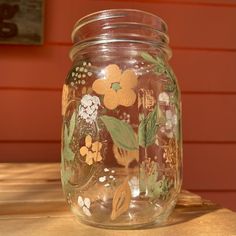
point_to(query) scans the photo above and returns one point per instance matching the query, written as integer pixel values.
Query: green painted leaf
(66, 174)
(142, 178)
(148, 128)
(121, 133)
(149, 183)
(162, 68)
(68, 134)
(147, 57)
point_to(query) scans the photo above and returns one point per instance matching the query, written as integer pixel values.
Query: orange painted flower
(91, 151)
(117, 87)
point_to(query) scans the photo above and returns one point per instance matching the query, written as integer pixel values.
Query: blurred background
(203, 39)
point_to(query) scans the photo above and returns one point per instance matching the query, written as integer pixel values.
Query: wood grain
(200, 162)
(28, 151)
(34, 67)
(204, 22)
(215, 3)
(223, 221)
(30, 115)
(201, 71)
(203, 37)
(32, 205)
(224, 198)
(40, 116)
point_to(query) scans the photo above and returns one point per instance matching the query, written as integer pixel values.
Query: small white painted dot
(90, 74)
(89, 64)
(81, 69)
(83, 82)
(111, 176)
(73, 74)
(106, 170)
(112, 171)
(102, 179)
(83, 75)
(79, 76)
(85, 70)
(106, 185)
(77, 68)
(84, 63)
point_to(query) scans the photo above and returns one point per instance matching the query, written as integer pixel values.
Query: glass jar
(121, 136)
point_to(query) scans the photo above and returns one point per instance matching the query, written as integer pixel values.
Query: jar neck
(117, 29)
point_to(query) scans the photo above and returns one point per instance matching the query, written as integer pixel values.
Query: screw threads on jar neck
(120, 27)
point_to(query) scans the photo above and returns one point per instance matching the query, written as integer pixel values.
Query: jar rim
(120, 25)
(109, 13)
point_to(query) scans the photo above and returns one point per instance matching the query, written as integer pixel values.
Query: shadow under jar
(121, 161)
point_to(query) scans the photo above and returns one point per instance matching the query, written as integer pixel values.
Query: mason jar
(121, 164)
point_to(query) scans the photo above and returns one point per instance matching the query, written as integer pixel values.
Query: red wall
(203, 38)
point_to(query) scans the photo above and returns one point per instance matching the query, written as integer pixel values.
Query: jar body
(121, 161)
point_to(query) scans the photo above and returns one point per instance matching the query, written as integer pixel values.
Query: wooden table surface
(32, 203)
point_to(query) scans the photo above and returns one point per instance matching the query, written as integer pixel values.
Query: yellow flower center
(116, 86)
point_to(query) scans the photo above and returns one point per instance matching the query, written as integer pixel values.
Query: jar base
(141, 214)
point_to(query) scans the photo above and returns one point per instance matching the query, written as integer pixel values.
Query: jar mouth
(121, 25)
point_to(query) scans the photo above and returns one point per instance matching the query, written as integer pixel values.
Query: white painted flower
(171, 119)
(134, 186)
(86, 211)
(171, 123)
(87, 202)
(85, 205)
(88, 108)
(80, 201)
(164, 98)
(96, 100)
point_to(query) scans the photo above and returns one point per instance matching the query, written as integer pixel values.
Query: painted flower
(171, 122)
(171, 119)
(91, 151)
(88, 108)
(164, 98)
(85, 205)
(117, 87)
